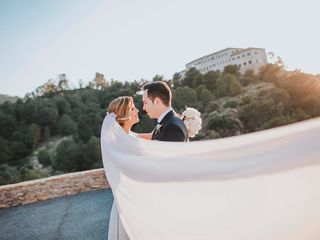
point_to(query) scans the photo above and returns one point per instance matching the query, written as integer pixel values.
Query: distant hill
(4, 98)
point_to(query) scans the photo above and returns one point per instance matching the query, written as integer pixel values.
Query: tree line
(56, 128)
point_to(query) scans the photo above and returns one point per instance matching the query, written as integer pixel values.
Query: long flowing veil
(257, 186)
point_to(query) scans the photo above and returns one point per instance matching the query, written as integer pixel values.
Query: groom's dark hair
(159, 89)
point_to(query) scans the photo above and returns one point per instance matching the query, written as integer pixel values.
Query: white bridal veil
(258, 186)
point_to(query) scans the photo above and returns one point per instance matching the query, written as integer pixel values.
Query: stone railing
(51, 187)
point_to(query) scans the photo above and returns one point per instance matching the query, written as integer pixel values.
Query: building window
(248, 54)
(238, 57)
(255, 53)
(244, 63)
(233, 59)
(243, 55)
(239, 65)
(250, 62)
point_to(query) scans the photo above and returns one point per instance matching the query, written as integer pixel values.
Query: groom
(157, 104)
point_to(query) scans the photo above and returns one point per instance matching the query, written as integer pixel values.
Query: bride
(126, 115)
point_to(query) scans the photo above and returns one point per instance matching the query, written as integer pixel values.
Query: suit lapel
(167, 117)
(156, 133)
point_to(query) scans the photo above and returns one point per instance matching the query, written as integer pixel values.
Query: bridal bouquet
(192, 120)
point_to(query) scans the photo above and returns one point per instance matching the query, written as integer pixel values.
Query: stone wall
(51, 187)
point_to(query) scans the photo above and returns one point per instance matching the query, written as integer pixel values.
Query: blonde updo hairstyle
(121, 107)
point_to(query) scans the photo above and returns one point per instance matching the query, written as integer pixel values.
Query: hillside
(57, 129)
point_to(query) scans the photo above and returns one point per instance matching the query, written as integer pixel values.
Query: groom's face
(148, 106)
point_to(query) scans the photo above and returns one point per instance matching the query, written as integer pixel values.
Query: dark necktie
(156, 130)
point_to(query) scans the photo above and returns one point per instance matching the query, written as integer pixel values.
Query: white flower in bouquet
(192, 120)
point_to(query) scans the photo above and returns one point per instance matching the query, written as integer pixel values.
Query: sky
(131, 40)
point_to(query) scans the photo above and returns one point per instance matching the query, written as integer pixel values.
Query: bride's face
(133, 113)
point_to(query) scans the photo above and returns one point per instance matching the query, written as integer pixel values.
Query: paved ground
(83, 216)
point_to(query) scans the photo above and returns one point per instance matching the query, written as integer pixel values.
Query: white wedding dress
(263, 185)
(116, 229)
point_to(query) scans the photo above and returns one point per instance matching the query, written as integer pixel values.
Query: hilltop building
(245, 58)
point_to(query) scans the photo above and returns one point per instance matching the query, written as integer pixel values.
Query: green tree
(29, 111)
(311, 105)
(228, 85)
(224, 124)
(184, 96)
(234, 87)
(32, 136)
(255, 114)
(18, 152)
(29, 136)
(93, 153)
(203, 94)
(7, 125)
(63, 106)
(66, 126)
(27, 174)
(68, 157)
(176, 80)
(146, 124)
(8, 174)
(279, 95)
(212, 106)
(232, 69)
(248, 78)
(158, 78)
(99, 82)
(271, 73)
(192, 78)
(46, 89)
(4, 151)
(94, 120)
(46, 133)
(76, 156)
(210, 79)
(84, 131)
(44, 158)
(46, 115)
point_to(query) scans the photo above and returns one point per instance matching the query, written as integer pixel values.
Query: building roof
(239, 50)
(220, 51)
(246, 50)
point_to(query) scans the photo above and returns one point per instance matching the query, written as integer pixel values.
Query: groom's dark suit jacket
(172, 129)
